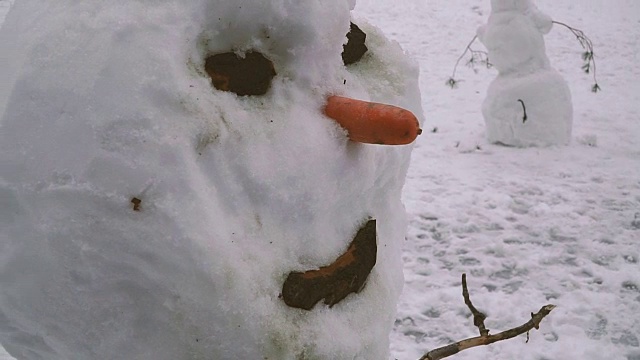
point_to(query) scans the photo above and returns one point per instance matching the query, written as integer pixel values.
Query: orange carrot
(373, 123)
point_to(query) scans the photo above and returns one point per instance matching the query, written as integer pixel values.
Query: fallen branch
(485, 338)
(478, 317)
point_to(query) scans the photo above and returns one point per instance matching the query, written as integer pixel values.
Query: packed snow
(529, 226)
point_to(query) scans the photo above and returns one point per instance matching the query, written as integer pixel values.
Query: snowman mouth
(334, 282)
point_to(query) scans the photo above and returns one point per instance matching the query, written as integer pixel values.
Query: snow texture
(107, 101)
(529, 102)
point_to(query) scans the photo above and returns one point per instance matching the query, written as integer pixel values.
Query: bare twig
(588, 56)
(485, 338)
(477, 56)
(478, 317)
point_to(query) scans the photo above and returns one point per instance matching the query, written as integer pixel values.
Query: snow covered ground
(4, 7)
(529, 226)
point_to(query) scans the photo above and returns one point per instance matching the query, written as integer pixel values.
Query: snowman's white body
(514, 39)
(108, 101)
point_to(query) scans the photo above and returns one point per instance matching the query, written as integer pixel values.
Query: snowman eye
(248, 75)
(355, 48)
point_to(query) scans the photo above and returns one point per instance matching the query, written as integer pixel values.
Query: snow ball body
(106, 102)
(526, 83)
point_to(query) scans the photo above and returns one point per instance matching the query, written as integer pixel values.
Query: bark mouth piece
(347, 274)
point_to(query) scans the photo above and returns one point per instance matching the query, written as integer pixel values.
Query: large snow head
(514, 36)
(170, 167)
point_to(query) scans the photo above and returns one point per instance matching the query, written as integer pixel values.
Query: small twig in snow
(136, 203)
(524, 108)
(485, 338)
(478, 317)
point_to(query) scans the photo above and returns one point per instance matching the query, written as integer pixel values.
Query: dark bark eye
(250, 75)
(355, 47)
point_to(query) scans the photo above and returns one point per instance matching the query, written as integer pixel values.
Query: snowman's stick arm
(485, 338)
(588, 56)
(476, 56)
(467, 49)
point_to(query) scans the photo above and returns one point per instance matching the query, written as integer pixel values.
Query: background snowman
(154, 204)
(528, 103)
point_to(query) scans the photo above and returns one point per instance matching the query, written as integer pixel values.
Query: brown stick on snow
(485, 338)
(478, 317)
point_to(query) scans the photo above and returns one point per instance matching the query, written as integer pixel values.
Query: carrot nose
(373, 123)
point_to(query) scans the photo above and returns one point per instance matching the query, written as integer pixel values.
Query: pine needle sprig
(588, 56)
(477, 57)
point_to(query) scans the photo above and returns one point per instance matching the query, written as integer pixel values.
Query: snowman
(176, 181)
(528, 103)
